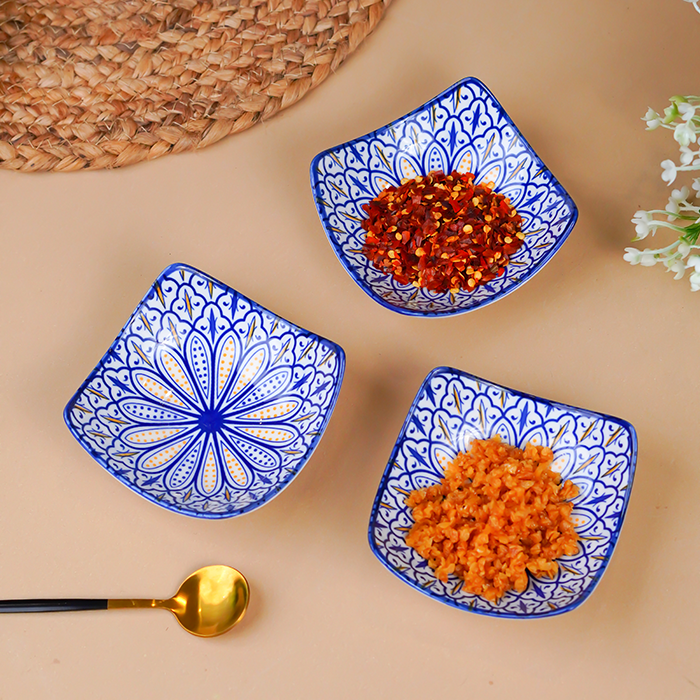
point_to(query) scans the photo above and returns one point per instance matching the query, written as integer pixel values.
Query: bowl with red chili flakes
(443, 210)
(592, 454)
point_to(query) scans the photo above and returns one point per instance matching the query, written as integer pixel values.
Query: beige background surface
(326, 620)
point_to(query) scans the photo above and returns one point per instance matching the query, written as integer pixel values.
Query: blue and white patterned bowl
(463, 129)
(206, 403)
(598, 453)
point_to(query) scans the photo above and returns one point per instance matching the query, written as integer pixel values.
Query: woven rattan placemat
(102, 84)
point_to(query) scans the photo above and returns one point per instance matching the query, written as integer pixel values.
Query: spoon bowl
(210, 601)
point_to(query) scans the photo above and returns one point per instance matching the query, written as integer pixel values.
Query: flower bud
(670, 114)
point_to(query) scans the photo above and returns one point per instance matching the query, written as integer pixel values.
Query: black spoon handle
(52, 605)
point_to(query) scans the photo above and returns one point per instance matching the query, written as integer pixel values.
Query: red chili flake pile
(441, 232)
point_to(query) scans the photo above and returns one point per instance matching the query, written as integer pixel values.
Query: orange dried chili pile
(441, 232)
(498, 513)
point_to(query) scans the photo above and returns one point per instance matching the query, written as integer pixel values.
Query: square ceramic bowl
(464, 129)
(598, 453)
(206, 403)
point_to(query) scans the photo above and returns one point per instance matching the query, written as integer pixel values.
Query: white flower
(647, 259)
(683, 115)
(644, 224)
(684, 134)
(675, 265)
(680, 195)
(669, 171)
(640, 257)
(679, 268)
(632, 256)
(653, 119)
(694, 3)
(686, 155)
(686, 110)
(677, 198)
(694, 261)
(694, 282)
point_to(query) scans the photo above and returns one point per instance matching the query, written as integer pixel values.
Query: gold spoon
(208, 603)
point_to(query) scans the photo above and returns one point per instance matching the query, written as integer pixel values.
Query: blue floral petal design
(181, 475)
(198, 357)
(267, 389)
(252, 365)
(227, 356)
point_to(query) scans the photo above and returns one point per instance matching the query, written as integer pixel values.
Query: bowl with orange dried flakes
(502, 503)
(443, 210)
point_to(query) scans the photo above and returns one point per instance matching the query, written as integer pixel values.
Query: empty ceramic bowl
(596, 452)
(463, 129)
(206, 403)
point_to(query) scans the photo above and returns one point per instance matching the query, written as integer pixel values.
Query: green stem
(665, 212)
(660, 251)
(666, 224)
(691, 234)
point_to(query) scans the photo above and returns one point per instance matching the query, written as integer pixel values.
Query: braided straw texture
(102, 84)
